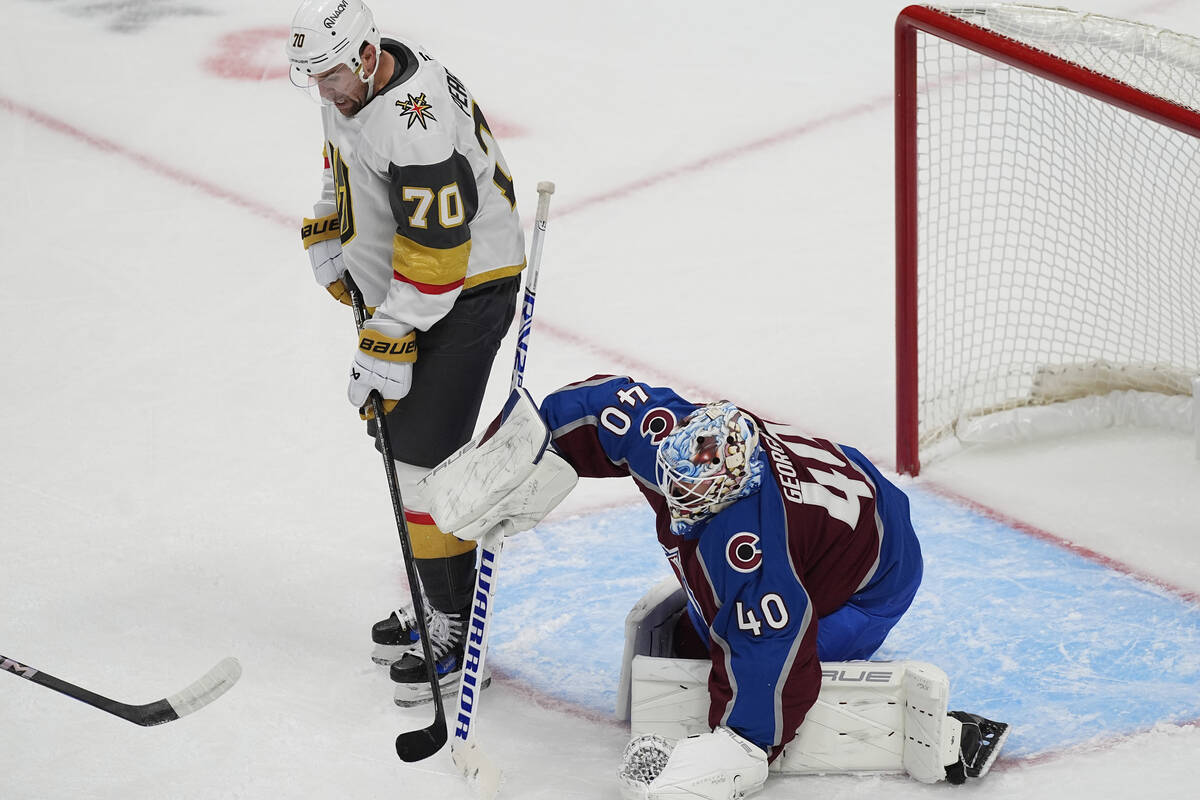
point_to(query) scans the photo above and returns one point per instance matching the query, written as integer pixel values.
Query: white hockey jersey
(424, 196)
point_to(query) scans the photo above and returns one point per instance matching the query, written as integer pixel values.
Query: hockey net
(1048, 220)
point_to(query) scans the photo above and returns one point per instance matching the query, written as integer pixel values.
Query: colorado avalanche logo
(657, 424)
(742, 552)
(417, 109)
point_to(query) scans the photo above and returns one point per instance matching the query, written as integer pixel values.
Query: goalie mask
(326, 35)
(710, 460)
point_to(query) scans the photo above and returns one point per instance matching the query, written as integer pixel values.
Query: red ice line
(568, 336)
(146, 162)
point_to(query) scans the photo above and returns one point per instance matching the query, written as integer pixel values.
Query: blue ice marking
(1063, 648)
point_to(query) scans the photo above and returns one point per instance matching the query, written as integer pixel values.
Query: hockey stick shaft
(212, 685)
(417, 744)
(471, 761)
(545, 190)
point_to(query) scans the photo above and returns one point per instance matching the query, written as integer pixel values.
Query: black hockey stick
(215, 683)
(421, 743)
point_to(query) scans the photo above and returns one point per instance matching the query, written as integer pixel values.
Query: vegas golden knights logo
(341, 184)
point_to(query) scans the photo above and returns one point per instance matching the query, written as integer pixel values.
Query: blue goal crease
(1064, 649)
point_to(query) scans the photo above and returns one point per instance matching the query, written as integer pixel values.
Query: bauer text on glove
(383, 362)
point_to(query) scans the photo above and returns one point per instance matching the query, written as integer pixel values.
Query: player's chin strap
(370, 79)
(371, 86)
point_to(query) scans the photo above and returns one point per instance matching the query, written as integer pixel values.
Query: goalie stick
(419, 744)
(216, 682)
(475, 765)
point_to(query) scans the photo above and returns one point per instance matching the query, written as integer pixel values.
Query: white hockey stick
(480, 770)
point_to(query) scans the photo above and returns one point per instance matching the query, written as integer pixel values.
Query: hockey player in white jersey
(418, 206)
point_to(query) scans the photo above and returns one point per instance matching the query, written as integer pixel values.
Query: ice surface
(181, 478)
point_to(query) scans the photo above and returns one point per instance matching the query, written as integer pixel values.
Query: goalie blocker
(508, 479)
(870, 716)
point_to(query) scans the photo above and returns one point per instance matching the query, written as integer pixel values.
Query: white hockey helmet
(710, 460)
(326, 33)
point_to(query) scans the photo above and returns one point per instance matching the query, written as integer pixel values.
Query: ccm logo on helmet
(332, 19)
(742, 552)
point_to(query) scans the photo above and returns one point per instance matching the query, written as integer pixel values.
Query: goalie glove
(384, 363)
(323, 243)
(507, 482)
(714, 766)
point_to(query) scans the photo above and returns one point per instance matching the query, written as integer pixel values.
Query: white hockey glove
(384, 362)
(322, 240)
(508, 482)
(715, 766)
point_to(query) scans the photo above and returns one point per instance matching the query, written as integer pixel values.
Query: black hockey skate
(448, 639)
(399, 634)
(979, 745)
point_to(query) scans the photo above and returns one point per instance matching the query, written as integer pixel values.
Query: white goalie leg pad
(649, 631)
(412, 488)
(720, 765)
(931, 737)
(509, 479)
(857, 723)
(870, 717)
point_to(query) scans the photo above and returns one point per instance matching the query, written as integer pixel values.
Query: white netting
(1058, 234)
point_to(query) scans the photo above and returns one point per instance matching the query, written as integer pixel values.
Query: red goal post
(1047, 213)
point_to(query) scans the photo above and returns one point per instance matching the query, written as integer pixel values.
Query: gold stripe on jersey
(428, 541)
(432, 270)
(493, 275)
(318, 230)
(387, 348)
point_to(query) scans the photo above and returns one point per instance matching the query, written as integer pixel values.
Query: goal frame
(935, 22)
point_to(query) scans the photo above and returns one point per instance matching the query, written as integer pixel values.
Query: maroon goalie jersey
(817, 564)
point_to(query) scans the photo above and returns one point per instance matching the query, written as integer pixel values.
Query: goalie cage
(858, 724)
(1047, 225)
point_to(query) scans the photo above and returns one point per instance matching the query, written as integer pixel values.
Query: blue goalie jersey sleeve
(820, 561)
(609, 426)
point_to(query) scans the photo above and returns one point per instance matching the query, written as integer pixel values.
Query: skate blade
(420, 694)
(387, 654)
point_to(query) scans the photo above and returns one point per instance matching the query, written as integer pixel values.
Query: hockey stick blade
(216, 682)
(477, 767)
(420, 744)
